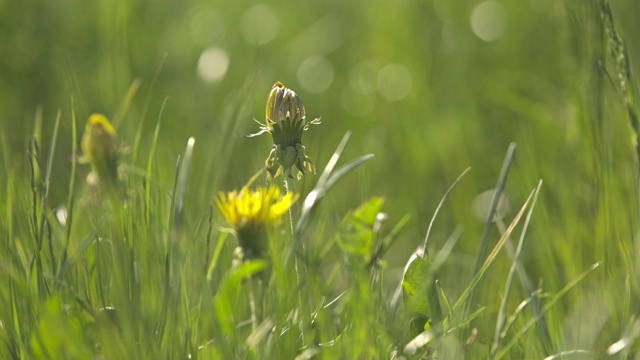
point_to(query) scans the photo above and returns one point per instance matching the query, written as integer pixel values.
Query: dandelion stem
(298, 278)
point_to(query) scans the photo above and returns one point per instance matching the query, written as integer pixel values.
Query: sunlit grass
(130, 256)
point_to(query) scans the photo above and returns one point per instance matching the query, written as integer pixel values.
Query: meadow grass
(360, 266)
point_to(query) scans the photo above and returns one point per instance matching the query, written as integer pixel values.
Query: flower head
(249, 212)
(286, 121)
(99, 148)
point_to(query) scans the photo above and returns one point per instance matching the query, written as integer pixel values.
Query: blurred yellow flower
(286, 121)
(249, 212)
(99, 148)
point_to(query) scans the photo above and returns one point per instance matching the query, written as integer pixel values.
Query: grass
(382, 255)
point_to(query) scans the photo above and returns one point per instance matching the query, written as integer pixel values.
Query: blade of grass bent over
(325, 182)
(435, 213)
(434, 300)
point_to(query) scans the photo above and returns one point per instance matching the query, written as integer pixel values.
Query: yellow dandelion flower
(250, 212)
(99, 148)
(286, 121)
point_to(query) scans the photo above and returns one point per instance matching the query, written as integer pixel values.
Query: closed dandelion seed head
(99, 148)
(251, 212)
(286, 122)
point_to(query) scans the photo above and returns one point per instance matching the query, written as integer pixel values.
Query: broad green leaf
(356, 234)
(415, 288)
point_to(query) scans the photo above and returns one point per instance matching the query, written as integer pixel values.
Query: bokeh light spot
(363, 77)
(259, 25)
(394, 82)
(315, 74)
(213, 64)
(206, 26)
(482, 205)
(355, 102)
(489, 20)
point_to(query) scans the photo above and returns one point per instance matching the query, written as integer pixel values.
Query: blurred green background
(430, 87)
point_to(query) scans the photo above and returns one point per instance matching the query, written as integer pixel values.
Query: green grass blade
(390, 238)
(183, 178)
(333, 161)
(492, 256)
(126, 102)
(42, 211)
(17, 321)
(507, 288)
(4, 148)
(623, 346)
(435, 213)
(547, 307)
(326, 181)
(519, 309)
(216, 255)
(70, 197)
(344, 170)
(574, 354)
(502, 181)
(152, 154)
(314, 197)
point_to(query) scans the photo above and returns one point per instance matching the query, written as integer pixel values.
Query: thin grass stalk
(70, 198)
(9, 243)
(435, 213)
(4, 149)
(126, 102)
(502, 180)
(318, 191)
(434, 300)
(465, 297)
(546, 308)
(43, 222)
(33, 154)
(624, 82)
(152, 153)
(528, 287)
(207, 252)
(216, 255)
(484, 242)
(514, 266)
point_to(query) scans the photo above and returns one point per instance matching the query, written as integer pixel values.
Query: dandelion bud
(286, 121)
(284, 104)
